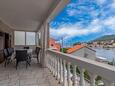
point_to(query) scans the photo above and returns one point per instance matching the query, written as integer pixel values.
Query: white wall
(91, 53)
(86, 53)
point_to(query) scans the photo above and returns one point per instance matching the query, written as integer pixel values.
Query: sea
(108, 53)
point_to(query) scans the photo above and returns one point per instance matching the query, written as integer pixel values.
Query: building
(53, 45)
(82, 51)
(24, 17)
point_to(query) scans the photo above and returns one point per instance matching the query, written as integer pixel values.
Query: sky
(84, 20)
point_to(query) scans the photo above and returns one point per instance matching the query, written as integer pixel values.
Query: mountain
(105, 38)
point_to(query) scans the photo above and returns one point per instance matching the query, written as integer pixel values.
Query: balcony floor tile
(32, 76)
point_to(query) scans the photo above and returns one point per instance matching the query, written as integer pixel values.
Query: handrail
(104, 70)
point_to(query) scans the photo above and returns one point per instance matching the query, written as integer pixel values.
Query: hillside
(106, 38)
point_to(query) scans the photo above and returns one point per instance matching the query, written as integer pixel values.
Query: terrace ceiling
(26, 15)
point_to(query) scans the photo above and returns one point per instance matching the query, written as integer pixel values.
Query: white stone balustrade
(60, 65)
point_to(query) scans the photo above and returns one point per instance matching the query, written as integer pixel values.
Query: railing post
(54, 71)
(60, 71)
(92, 77)
(50, 65)
(64, 75)
(68, 74)
(74, 76)
(82, 80)
(57, 69)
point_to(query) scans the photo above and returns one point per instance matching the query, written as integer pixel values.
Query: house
(53, 45)
(82, 51)
(25, 23)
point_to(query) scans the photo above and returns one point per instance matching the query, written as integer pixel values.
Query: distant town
(87, 49)
(107, 41)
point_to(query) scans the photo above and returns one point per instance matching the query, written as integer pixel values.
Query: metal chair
(26, 47)
(7, 57)
(21, 55)
(10, 51)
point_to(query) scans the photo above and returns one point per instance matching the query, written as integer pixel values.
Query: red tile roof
(74, 48)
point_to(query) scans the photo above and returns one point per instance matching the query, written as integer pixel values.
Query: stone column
(44, 43)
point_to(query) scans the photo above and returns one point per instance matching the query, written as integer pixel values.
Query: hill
(106, 38)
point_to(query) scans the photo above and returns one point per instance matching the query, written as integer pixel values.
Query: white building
(82, 51)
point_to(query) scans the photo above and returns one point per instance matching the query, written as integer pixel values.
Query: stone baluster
(50, 64)
(48, 61)
(64, 75)
(61, 75)
(74, 76)
(57, 69)
(82, 80)
(68, 74)
(92, 79)
(54, 66)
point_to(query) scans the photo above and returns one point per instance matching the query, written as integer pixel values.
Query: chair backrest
(5, 53)
(21, 55)
(27, 47)
(10, 51)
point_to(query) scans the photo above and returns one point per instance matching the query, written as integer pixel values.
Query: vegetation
(86, 74)
(106, 38)
(64, 50)
(112, 62)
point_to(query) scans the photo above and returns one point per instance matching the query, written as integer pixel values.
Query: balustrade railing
(64, 69)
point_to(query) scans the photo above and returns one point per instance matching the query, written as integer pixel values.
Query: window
(19, 38)
(30, 38)
(24, 38)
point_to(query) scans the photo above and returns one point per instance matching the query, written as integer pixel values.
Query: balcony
(54, 68)
(63, 67)
(60, 70)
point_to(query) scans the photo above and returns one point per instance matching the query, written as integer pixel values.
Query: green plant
(64, 50)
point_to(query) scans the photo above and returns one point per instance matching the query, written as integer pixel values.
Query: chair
(10, 51)
(7, 57)
(37, 52)
(26, 47)
(21, 55)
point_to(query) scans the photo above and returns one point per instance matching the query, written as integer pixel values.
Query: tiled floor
(32, 76)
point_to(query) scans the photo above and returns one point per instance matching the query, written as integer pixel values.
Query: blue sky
(84, 20)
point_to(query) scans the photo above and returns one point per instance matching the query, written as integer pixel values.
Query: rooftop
(74, 48)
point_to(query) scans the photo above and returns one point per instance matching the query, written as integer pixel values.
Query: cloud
(73, 30)
(101, 1)
(82, 20)
(71, 12)
(113, 4)
(110, 22)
